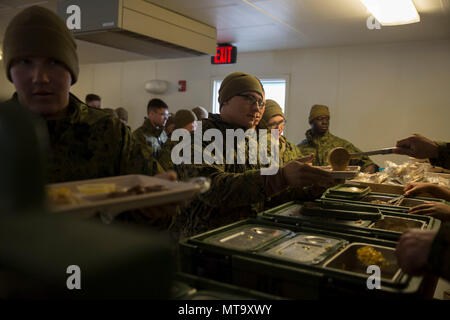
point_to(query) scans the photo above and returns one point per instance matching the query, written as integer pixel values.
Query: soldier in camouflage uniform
(424, 251)
(152, 128)
(319, 141)
(85, 142)
(237, 191)
(183, 119)
(273, 118)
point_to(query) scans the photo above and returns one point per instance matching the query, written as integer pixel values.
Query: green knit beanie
(318, 110)
(183, 117)
(39, 32)
(272, 109)
(200, 112)
(122, 114)
(238, 82)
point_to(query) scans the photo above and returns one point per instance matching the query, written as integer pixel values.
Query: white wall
(376, 93)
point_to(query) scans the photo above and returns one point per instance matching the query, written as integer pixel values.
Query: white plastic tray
(90, 205)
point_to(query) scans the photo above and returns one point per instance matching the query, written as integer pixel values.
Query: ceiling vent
(138, 26)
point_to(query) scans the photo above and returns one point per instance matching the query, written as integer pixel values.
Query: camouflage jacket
(321, 146)
(150, 135)
(90, 143)
(439, 257)
(165, 154)
(237, 190)
(443, 159)
(288, 151)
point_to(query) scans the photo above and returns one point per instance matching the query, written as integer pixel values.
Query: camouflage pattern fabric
(443, 159)
(288, 151)
(321, 146)
(439, 257)
(150, 135)
(164, 156)
(91, 143)
(237, 190)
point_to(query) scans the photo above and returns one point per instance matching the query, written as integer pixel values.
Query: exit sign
(225, 54)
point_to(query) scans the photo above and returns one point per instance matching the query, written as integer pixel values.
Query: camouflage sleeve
(227, 189)
(363, 161)
(165, 155)
(439, 258)
(137, 157)
(443, 159)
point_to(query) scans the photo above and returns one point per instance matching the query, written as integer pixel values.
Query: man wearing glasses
(238, 191)
(273, 118)
(152, 128)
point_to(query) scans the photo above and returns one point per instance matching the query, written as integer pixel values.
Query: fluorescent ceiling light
(392, 12)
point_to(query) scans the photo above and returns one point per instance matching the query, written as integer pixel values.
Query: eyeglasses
(252, 99)
(278, 124)
(165, 115)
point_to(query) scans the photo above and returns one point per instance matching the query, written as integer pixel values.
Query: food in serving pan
(138, 189)
(369, 256)
(61, 196)
(379, 202)
(350, 189)
(96, 188)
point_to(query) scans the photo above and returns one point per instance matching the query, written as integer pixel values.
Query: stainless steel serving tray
(249, 237)
(306, 248)
(347, 260)
(397, 224)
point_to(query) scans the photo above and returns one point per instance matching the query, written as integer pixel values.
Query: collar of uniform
(313, 140)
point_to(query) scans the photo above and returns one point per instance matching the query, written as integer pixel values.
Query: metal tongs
(395, 201)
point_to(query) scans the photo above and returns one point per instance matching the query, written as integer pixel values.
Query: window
(275, 89)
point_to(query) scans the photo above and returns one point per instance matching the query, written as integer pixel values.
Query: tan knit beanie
(238, 82)
(318, 110)
(183, 117)
(39, 32)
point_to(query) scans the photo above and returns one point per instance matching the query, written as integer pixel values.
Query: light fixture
(392, 12)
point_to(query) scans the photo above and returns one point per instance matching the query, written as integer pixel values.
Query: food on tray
(96, 188)
(379, 202)
(138, 189)
(350, 189)
(369, 256)
(61, 196)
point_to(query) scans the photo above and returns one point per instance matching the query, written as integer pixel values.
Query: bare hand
(413, 250)
(436, 210)
(168, 175)
(425, 189)
(417, 146)
(298, 173)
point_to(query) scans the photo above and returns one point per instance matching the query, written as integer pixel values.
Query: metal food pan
(347, 260)
(295, 212)
(249, 237)
(397, 224)
(407, 202)
(306, 248)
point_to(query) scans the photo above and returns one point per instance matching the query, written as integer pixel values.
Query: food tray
(296, 212)
(397, 224)
(340, 211)
(347, 191)
(91, 204)
(306, 248)
(350, 173)
(347, 260)
(250, 237)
